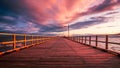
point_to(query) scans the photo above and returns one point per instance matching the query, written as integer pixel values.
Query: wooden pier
(60, 53)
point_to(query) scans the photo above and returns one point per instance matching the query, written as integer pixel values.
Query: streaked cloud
(111, 25)
(51, 15)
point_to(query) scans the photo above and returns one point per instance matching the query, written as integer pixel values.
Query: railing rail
(11, 42)
(106, 39)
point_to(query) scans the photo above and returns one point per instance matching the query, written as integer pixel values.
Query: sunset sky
(51, 17)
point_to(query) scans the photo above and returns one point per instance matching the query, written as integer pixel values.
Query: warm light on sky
(50, 17)
(111, 26)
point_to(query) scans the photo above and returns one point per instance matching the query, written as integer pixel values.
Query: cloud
(94, 19)
(51, 15)
(62, 11)
(86, 24)
(20, 28)
(8, 18)
(105, 6)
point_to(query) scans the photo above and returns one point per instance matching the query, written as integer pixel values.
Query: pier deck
(59, 53)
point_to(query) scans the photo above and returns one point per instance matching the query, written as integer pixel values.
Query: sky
(51, 17)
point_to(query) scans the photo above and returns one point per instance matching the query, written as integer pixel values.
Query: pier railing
(13, 42)
(110, 43)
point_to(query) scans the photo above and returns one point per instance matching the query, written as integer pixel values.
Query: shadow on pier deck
(60, 53)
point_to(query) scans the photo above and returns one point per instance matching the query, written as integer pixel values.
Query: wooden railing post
(82, 39)
(74, 38)
(89, 40)
(96, 41)
(24, 39)
(78, 39)
(41, 39)
(32, 39)
(106, 42)
(85, 39)
(37, 39)
(14, 41)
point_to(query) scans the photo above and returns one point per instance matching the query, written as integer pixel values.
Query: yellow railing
(12, 42)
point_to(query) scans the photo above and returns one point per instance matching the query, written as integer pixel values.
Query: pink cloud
(65, 11)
